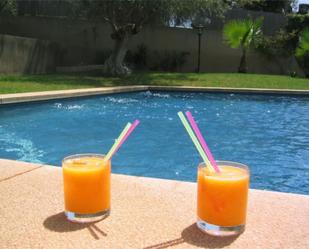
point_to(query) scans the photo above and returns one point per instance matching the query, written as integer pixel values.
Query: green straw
(118, 140)
(194, 139)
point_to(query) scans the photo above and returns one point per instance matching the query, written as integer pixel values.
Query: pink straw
(202, 142)
(135, 123)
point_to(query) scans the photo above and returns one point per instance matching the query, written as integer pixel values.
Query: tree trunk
(305, 65)
(114, 66)
(243, 62)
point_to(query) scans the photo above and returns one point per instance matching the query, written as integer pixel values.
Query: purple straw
(202, 141)
(135, 123)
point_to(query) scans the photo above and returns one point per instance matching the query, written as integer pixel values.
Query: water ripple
(268, 133)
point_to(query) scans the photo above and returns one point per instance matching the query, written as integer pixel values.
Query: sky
(302, 1)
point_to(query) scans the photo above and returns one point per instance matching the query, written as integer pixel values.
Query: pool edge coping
(171, 204)
(231, 90)
(29, 167)
(62, 94)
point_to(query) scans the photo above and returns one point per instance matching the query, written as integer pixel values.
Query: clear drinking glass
(222, 198)
(87, 191)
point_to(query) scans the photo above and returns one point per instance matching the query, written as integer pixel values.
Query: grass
(34, 83)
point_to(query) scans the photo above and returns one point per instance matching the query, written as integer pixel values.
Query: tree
(284, 43)
(242, 34)
(7, 7)
(278, 6)
(302, 51)
(278, 48)
(128, 17)
(303, 47)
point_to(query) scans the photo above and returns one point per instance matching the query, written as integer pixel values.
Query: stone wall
(26, 55)
(84, 43)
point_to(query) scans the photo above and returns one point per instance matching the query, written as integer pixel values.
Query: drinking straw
(118, 140)
(194, 139)
(132, 127)
(202, 141)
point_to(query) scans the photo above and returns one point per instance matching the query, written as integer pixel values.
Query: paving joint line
(21, 173)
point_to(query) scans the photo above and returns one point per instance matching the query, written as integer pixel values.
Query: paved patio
(146, 213)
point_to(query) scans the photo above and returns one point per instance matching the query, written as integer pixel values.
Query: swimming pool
(268, 133)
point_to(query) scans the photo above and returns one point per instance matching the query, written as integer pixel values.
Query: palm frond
(234, 31)
(242, 33)
(303, 47)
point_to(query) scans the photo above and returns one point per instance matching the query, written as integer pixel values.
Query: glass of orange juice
(86, 181)
(222, 198)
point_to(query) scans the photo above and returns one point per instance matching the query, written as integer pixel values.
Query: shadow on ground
(193, 236)
(59, 223)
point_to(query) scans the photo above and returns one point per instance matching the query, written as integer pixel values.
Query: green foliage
(102, 56)
(299, 25)
(133, 14)
(285, 41)
(278, 45)
(154, 10)
(168, 60)
(302, 51)
(297, 22)
(8, 7)
(278, 6)
(303, 47)
(127, 18)
(139, 57)
(198, 11)
(142, 58)
(242, 33)
(291, 40)
(32, 83)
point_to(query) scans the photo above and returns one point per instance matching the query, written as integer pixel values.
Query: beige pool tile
(48, 95)
(10, 168)
(146, 213)
(230, 90)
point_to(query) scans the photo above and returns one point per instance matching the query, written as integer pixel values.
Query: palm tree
(243, 34)
(302, 51)
(303, 46)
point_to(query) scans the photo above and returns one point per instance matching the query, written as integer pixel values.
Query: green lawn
(32, 83)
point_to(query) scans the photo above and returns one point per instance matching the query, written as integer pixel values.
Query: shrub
(280, 44)
(138, 58)
(143, 58)
(168, 60)
(285, 42)
(243, 34)
(102, 56)
(297, 22)
(302, 51)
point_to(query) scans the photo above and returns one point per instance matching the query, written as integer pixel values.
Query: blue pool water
(268, 133)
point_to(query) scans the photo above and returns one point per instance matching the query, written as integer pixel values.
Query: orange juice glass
(222, 198)
(87, 191)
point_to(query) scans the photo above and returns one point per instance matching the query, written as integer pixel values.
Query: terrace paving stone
(146, 213)
(10, 169)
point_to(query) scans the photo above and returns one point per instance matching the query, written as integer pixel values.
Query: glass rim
(227, 163)
(82, 155)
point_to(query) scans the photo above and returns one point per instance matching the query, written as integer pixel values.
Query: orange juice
(86, 181)
(222, 197)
